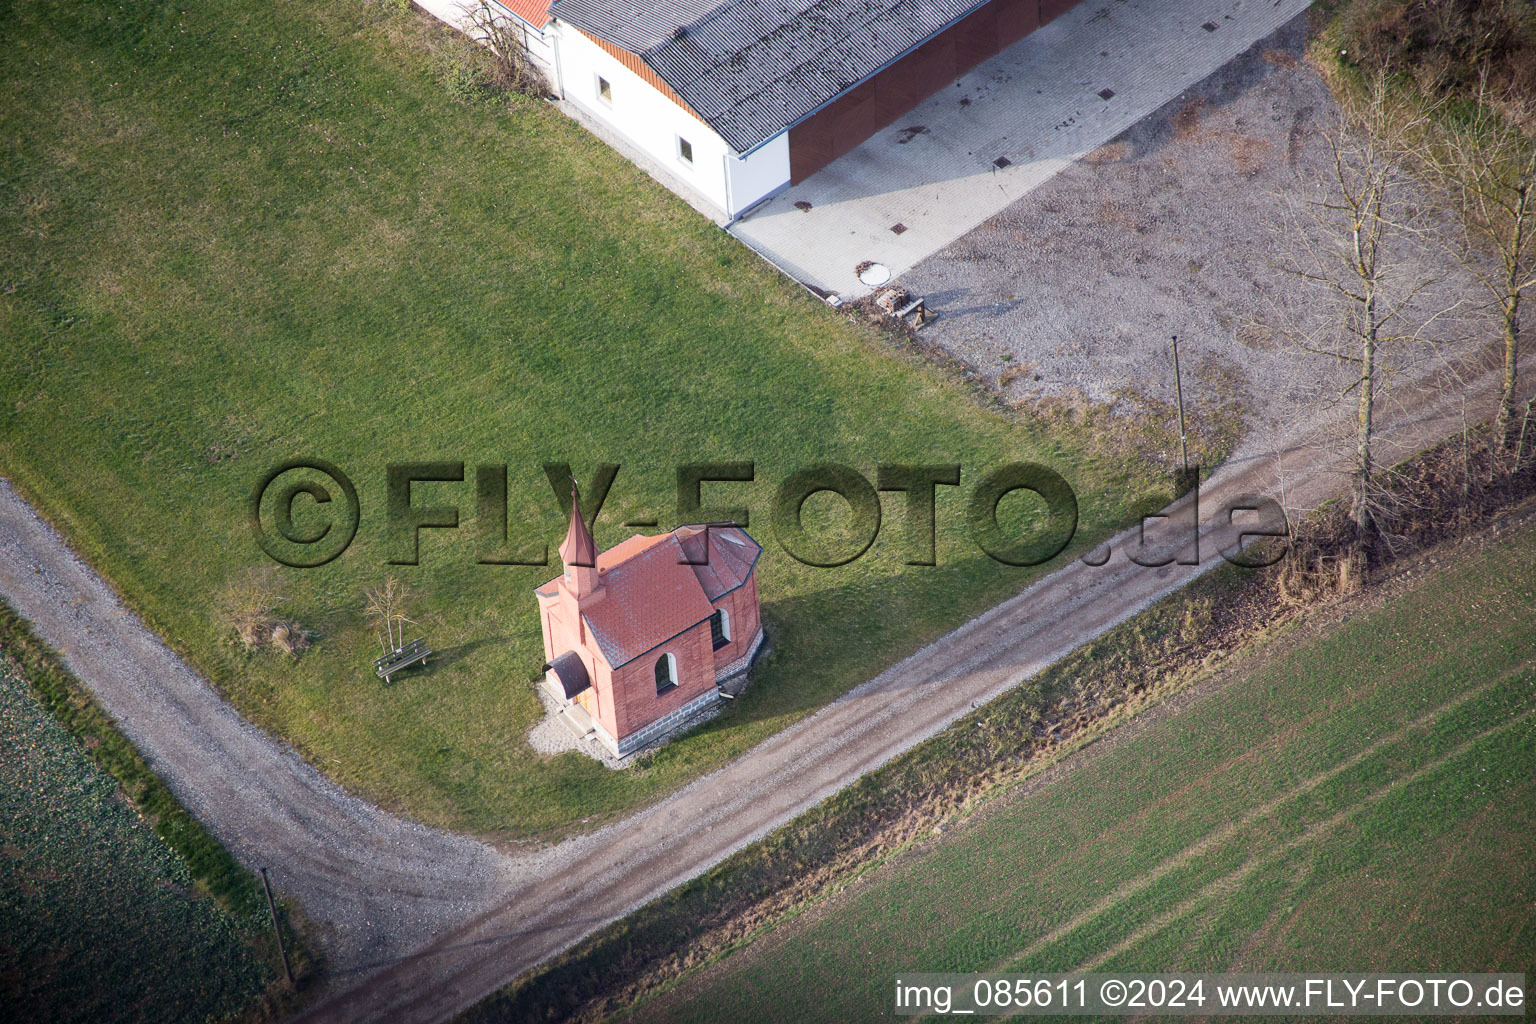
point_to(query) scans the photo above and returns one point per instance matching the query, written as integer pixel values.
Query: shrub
(1444, 45)
(463, 68)
(249, 603)
(249, 608)
(490, 61)
(290, 638)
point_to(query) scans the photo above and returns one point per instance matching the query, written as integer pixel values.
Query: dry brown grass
(290, 638)
(1281, 59)
(1186, 120)
(1109, 153)
(1249, 154)
(249, 606)
(250, 602)
(1015, 372)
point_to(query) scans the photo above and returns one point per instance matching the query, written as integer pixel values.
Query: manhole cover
(875, 274)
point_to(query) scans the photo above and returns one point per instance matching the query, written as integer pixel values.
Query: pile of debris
(902, 305)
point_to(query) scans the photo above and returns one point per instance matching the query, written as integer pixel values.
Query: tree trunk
(1514, 266)
(1505, 421)
(1365, 424)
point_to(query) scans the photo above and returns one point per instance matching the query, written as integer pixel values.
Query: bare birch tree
(386, 607)
(1484, 163)
(1340, 242)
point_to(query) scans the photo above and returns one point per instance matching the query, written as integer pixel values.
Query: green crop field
(98, 918)
(1363, 801)
(255, 230)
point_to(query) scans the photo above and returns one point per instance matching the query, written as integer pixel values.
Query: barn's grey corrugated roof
(752, 68)
(636, 25)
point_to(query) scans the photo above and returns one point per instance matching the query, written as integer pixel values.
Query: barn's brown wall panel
(858, 109)
(810, 144)
(976, 38)
(932, 65)
(846, 122)
(1015, 20)
(1055, 8)
(897, 95)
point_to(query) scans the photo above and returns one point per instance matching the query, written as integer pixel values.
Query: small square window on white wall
(605, 90)
(684, 150)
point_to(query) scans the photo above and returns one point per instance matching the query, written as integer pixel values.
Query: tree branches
(386, 607)
(511, 67)
(1341, 242)
(1482, 160)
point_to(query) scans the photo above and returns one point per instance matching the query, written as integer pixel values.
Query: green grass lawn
(1363, 802)
(252, 230)
(98, 918)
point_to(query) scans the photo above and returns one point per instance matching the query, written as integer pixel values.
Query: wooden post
(1178, 383)
(272, 909)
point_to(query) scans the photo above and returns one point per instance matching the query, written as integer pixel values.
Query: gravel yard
(1075, 290)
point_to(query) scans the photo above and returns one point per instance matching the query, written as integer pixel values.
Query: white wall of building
(641, 114)
(650, 121)
(759, 175)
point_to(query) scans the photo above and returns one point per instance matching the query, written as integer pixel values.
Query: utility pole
(1178, 383)
(272, 909)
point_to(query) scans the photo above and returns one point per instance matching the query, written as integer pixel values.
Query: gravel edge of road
(374, 885)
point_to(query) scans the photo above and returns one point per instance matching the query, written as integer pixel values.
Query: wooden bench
(413, 652)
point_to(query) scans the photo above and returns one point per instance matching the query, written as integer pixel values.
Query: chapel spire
(579, 551)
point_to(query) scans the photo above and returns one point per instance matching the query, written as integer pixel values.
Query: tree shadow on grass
(449, 656)
(825, 643)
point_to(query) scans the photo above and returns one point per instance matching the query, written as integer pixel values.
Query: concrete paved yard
(999, 132)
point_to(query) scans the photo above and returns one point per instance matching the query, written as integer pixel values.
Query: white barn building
(730, 101)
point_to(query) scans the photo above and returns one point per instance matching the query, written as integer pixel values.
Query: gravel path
(376, 886)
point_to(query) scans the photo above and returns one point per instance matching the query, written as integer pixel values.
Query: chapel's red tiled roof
(723, 556)
(627, 549)
(648, 597)
(650, 593)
